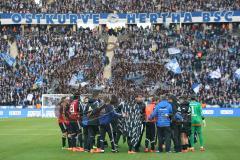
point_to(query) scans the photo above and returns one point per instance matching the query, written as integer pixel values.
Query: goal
(49, 103)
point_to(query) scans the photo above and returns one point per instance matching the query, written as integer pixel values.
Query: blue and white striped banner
(128, 18)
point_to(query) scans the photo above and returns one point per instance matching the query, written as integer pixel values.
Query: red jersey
(73, 111)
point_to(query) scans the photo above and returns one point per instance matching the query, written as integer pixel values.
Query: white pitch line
(32, 129)
(27, 134)
(224, 129)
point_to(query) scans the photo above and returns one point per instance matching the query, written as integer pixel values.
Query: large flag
(173, 66)
(173, 50)
(77, 79)
(232, 50)
(215, 74)
(9, 60)
(39, 81)
(237, 73)
(196, 87)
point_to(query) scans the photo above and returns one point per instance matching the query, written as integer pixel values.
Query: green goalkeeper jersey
(196, 113)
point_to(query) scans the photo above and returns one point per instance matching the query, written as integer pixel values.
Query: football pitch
(40, 139)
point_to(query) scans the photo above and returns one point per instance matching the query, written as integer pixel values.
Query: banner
(173, 66)
(9, 60)
(49, 112)
(121, 18)
(173, 50)
(71, 52)
(221, 112)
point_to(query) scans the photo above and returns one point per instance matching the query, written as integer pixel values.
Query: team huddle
(85, 121)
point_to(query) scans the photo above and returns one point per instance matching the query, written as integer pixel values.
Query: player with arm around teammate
(62, 121)
(72, 113)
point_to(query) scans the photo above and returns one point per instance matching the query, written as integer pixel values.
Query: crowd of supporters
(58, 53)
(140, 58)
(53, 54)
(123, 6)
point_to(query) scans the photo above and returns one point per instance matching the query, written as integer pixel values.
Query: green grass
(39, 139)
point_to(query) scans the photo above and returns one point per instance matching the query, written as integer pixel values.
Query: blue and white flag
(215, 74)
(173, 50)
(237, 73)
(173, 66)
(39, 81)
(232, 50)
(9, 60)
(196, 87)
(77, 79)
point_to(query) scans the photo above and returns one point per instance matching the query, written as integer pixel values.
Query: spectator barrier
(6, 112)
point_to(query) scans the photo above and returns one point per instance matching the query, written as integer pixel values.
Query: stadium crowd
(51, 56)
(145, 51)
(58, 53)
(107, 6)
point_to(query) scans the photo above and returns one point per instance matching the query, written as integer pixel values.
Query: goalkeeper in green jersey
(197, 122)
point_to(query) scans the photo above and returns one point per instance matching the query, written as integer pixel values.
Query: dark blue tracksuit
(90, 122)
(107, 114)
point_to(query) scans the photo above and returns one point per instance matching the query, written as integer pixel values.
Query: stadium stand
(108, 6)
(57, 56)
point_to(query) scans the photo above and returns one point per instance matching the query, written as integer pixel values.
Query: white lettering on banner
(34, 114)
(19, 107)
(1, 113)
(49, 114)
(126, 18)
(208, 111)
(15, 113)
(226, 112)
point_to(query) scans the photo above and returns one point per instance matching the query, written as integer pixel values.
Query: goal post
(49, 103)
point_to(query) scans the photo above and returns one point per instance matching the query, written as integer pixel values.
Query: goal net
(49, 103)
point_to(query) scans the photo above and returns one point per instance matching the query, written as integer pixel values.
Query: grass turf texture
(40, 139)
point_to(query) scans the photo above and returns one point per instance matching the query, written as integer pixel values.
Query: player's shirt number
(72, 108)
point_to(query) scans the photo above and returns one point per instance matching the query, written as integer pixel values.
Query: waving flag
(39, 81)
(215, 74)
(232, 50)
(9, 60)
(173, 66)
(77, 79)
(237, 73)
(196, 87)
(174, 51)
